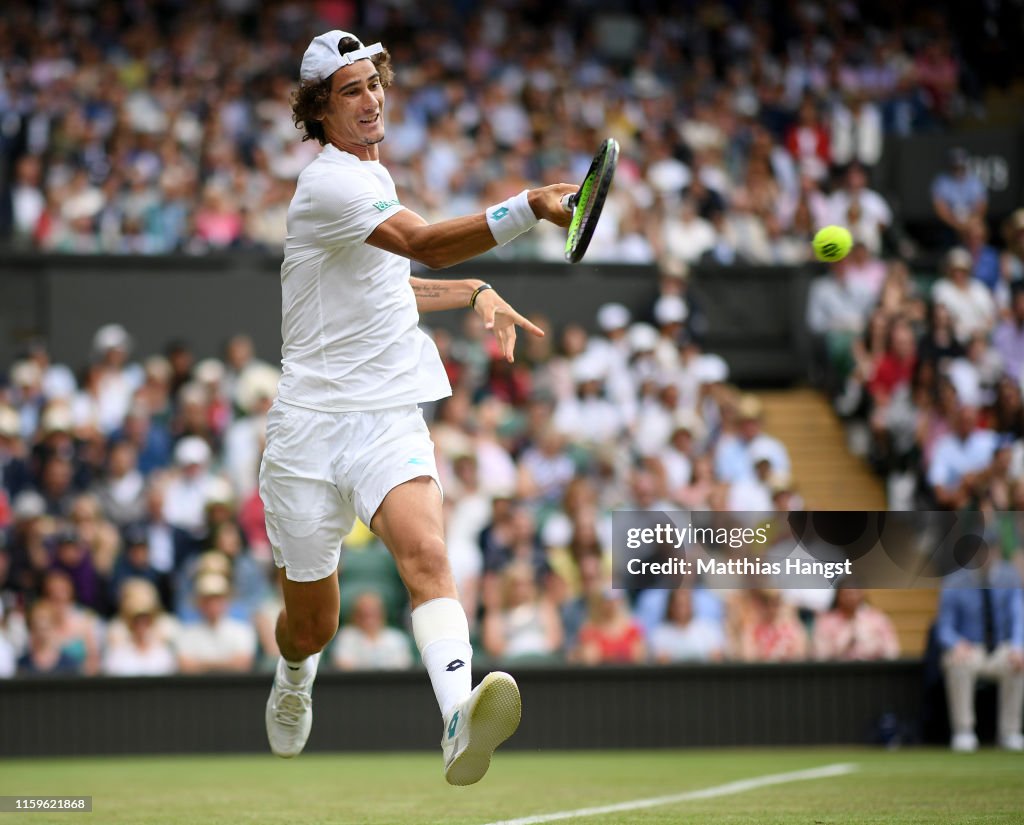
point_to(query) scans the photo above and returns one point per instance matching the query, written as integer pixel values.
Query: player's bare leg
(475, 722)
(305, 626)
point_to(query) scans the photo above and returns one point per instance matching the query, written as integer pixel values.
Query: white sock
(298, 673)
(442, 636)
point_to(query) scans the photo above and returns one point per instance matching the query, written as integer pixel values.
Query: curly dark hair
(309, 101)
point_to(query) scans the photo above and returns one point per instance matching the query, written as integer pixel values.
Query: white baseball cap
(642, 338)
(612, 316)
(322, 58)
(670, 309)
(191, 450)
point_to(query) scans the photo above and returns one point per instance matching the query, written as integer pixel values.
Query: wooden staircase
(829, 477)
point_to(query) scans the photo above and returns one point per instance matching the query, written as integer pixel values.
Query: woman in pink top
(766, 629)
(218, 221)
(853, 630)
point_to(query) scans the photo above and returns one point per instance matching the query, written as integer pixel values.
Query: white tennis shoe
(964, 743)
(477, 726)
(1012, 742)
(289, 714)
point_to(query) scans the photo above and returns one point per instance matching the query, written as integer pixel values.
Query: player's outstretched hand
(502, 320)
(546, 203)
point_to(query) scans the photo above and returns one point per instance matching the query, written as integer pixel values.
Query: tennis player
(346, 437)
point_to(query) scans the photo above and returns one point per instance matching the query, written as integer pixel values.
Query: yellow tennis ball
(832, 243)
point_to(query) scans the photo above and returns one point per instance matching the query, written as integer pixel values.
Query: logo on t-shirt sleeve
(385, 205)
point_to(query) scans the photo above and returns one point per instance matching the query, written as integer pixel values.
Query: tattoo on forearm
(430, 289)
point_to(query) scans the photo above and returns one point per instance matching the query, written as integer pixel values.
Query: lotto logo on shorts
(498, 214)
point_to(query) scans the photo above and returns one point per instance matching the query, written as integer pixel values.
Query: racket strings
(590, 201)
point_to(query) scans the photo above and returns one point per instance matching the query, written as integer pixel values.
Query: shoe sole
(492, 720)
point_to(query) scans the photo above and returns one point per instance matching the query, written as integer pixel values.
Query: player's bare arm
(434, 295)
(446, 243)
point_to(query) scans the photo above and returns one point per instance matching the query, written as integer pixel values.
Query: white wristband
(511, 219)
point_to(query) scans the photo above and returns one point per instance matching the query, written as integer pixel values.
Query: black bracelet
(476, 292)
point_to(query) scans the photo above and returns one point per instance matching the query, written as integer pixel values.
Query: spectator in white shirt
(217, 643)
(27, 200)
(185, 494)
(864, 271)
(863, 211)
(654, 422)
(367, 643)
(677, 458)
(684, 637)
(118, 380)
(589, 417)
(686, 235)
(140, 645)
(969, 301)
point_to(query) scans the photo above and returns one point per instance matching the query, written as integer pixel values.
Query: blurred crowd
(927, 367)
(133, 127)
(131, 528)
(132, 537)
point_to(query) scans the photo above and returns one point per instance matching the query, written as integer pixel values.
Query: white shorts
(321, 470)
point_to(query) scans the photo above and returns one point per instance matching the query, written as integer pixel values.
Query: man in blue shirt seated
(958, 194)
(980, 628)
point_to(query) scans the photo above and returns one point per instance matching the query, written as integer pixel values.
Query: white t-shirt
(349, 321)
(215, 643)
(129, 660)
(388, 651)
(694, 642)
(972, 307)
(8, 660)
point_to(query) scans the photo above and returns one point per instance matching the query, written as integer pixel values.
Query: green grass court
(908, 786)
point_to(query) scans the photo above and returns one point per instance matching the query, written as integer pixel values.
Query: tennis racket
(587, 203)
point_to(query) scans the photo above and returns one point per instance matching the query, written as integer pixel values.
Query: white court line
(728, 788)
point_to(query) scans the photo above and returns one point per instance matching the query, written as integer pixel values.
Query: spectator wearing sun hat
(736, 451)
(217, 642)
(142, 644)
(685, 442)
(968, 300)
